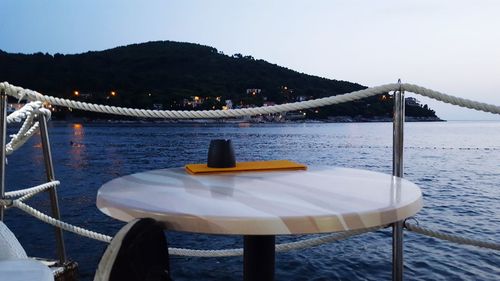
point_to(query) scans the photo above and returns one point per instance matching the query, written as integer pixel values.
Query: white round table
(260, 205)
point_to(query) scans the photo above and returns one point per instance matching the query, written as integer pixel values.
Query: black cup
(221, 154)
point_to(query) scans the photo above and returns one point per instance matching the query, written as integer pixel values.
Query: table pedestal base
(258, 257)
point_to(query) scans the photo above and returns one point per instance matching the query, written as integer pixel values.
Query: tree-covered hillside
(173, 75)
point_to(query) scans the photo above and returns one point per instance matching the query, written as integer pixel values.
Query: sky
(451, 46)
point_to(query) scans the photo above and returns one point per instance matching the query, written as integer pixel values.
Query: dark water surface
(457, 165)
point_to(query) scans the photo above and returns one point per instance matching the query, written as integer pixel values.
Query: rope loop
(413, 219)
(6, 202)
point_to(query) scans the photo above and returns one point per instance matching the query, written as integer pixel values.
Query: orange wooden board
(272, 165)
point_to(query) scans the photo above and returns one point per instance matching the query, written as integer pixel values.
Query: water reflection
(78, 129)
(77, 150)
(37, 155)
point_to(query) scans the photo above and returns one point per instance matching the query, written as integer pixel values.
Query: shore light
(76, 93)
(113, 93)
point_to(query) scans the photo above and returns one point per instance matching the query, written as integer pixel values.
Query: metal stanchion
(49, 169)
(397, 170)
(3, 141)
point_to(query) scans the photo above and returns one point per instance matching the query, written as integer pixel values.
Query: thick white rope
(452, 238)
(29, 127)
(451, 99)
(18, 139)
(21, 93)
(32, 190)
(328, 238)
(28, 196)
(14, 145)
(26, 131)
(284, 247)
(60, 224)
(306, 243)
(20, 114)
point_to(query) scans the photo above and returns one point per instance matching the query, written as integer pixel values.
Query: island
(166, 75)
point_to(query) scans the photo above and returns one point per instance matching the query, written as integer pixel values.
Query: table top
(321, 199)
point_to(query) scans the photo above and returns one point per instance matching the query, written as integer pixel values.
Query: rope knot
(6, 202)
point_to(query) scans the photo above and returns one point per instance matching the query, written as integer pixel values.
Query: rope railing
(452, 238)
(29, 108)
(305, 243)
(58, 223)
(29, 127)
(30, 95)
(283, 247)
(31, 190)
(479, 106)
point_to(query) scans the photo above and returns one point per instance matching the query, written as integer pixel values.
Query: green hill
(174, 75)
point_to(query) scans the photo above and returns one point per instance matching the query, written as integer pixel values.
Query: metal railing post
(397, 170)
(3, 141)
(49, 169)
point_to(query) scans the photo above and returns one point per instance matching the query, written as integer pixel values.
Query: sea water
(456, 164)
